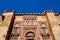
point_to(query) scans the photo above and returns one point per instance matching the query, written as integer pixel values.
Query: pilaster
(53, 25)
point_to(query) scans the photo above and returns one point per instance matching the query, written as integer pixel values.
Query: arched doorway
(29, 36)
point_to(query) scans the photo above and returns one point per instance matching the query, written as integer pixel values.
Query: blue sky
(29, 5)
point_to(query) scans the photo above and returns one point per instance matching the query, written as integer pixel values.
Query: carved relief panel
(29, 33)
(30, 20)
(15, 31)
(44, 31)
(29, 25)
(29, 29)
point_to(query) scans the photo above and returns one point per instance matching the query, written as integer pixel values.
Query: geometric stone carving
(17, 24)
(30, 21)
(43, 25)
(29, 29)
(44, 31)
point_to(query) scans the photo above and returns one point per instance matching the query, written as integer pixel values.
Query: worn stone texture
(29, 23)
(54, 25)
(5, 24)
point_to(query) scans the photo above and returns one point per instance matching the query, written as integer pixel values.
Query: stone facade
(30, 26)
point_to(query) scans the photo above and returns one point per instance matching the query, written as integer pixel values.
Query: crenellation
(29, 26)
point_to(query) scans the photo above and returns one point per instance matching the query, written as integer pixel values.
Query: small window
(59, 24)
(3, 17)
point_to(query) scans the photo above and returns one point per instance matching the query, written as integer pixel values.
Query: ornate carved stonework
(25, 29)
(17, 24)
(16, 31)
(44, 31)
(30, 26)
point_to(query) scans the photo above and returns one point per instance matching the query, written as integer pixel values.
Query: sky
(29, 5)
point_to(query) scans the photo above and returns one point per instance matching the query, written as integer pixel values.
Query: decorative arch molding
(43, 24)
(30, 35)
(30, 31)
(16, 23)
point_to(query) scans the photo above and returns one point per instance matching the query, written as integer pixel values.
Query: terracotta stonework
(29, 26)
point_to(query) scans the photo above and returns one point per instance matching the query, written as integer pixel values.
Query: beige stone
(29, 26)
(5, 25)
(54, 25)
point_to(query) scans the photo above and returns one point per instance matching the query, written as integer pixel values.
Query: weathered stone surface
(5, 24)
(33, 26)
(54, 25)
